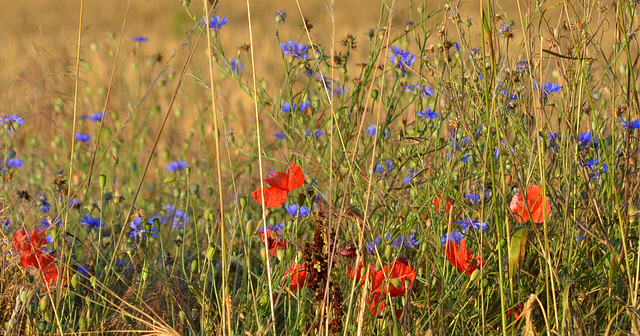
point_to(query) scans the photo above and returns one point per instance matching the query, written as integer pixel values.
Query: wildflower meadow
(323, 168)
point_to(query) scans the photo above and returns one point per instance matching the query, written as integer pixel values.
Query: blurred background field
(462, 124)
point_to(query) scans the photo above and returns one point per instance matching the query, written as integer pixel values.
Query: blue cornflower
(6, 223)
(215, 23)
(139, 38)
(43, 204)
(522, 65)
(49, 239)
(634, 125)
(81, 137)
(594, 171)
(587, 138)
(401, 58)
(296, 211)
(95, 116)
(281, 135)
(409, 177)
(138, 229)
(454, 236)
(407, 241)
(84, 271)
(297, 49)
(506, 30)
(553, 138)
(304, 105)
(580, 236)
(548, 88)
(287, 108)
(276, 227)
(75, 203)
(281, 16)
(317, 133)
(49, 222)
(457, 46)
(466, 223)
(11, 121)
(14, 163)
(380, 169)
(476, 198)
(427, 113)
(425, 91)
(92, 222)
(235, 65)
(178, 217)
(371, 246)
(371, 130)
(175, 166)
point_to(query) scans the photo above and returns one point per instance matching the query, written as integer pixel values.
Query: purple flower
(317, 133)
(296, 211)
(454, 236)
(371, 246)
(634, 125)
(139, 39)
(467, 223)
(235, 65)
(409, 177)
(506, 30)
(11, 121)
(427, 113)
(401, 58)
(95, 116)
(84, 271)
(281, 16)
(49, 222)
(296, 50)
(42, 202)
(178, 217)
(280, 135)
(138, 229)
(81, 137)
(276, 227)
(215, 23)
(371, 130)
(91, 222)
(14, 163)
(407, 241)
(175, 166)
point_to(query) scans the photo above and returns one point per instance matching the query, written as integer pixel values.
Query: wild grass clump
(436, 174)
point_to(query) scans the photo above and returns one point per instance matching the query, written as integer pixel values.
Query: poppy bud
(103, 181)
(387, 252)
(169, 180)
(176, 191)
(280, 254)
(249, 226)
(474, 275)
(210, 252)
(75, 279)
(194, 266)
(243, 201)
(42, 305)
(396, 283)
(374, 94)
(145, 273)
(83, 324)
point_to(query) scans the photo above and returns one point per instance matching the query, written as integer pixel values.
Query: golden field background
(39, 47)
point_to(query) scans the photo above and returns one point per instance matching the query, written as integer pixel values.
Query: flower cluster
(31, 248)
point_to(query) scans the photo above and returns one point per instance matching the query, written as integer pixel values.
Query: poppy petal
(274, 197)
(278, 180)
(296, 177)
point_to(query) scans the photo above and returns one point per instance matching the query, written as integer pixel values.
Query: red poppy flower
(30, 247)
(461, 258)
(298, 275)
(534, 208)
(281, 184)
(390, 279)
(274, 242)
(395, 278)
(438, 200)
(515, 311)
(358, 274)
